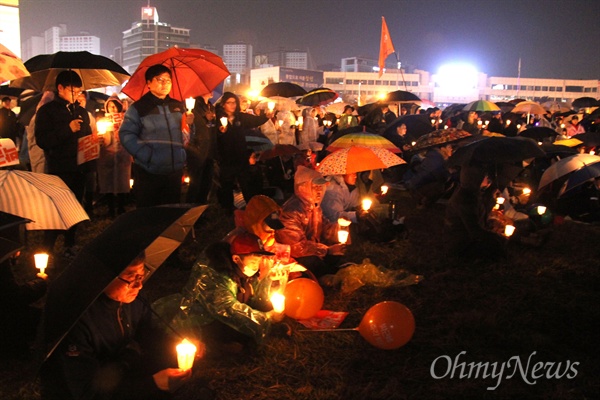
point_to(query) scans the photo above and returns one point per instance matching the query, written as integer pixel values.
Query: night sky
(555, 39)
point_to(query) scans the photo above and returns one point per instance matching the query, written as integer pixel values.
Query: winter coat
(104, 344)
(305, 229)
(151, 133)
(338, 200)
(54, 135)
(114, 163)
(211, 295)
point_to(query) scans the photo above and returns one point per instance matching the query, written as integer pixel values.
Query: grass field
(531, 320)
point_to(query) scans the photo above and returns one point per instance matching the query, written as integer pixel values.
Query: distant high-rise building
(56, 39)
(149, 36)
(10, 28)
(282, 58)
(238, 59)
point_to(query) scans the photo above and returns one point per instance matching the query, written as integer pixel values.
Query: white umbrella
(44, 199)
(566, 166)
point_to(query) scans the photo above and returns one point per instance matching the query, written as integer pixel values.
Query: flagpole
(401, 72)
(519, 77)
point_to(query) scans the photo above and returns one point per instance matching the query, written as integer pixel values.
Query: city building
(261, 77)
(239, 61)
(10, 26)
(56, 39)
(282, 58)
(149, 36)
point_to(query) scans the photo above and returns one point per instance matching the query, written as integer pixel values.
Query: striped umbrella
(358, 159)
(44, 199)
(481, 105)
(363, 139)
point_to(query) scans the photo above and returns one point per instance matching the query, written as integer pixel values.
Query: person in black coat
(59, 126)
(232, 148)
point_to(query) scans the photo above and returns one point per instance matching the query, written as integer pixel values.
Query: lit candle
(280, 122)
(518, 126)
(300, 121)
(496, 206)
(500, 200)
(433, 122)
(41, 262)
(592, 152)
(526, 191)
(349, 118)
(186, 351)
(366, 204)
(384, 189)
(479, 123)
(271, 105)
(190, 103)
(562, 126)
(413, 143)
(102, 126)
(487, 123)
(445, 126)
(278, 301)
(507, 122)
(509, 230)
(130, 183)
(186, 179)
(541, 210)
(343, 236)
(224, 121)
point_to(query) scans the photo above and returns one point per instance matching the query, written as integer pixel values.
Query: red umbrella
(195, 72)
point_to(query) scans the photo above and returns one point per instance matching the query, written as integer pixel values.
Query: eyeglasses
(230, 102)
(164, 81)
(137, 281)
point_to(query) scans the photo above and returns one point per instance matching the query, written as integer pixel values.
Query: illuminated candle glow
(41, 262)
(190, 103)
(384, 189)
(366, 204)
(271, 105)
(186, 351)
(500, 200)
(541, 210)
(509, 230)
(343, 236)
(224, 121)
(526, 191)
(278, 301)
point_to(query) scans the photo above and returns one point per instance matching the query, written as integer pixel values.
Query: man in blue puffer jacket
(152, 133)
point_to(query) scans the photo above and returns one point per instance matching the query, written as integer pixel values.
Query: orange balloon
(387, 325)
(303, 298)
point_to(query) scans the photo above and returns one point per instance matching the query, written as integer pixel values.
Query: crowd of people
(287, 224)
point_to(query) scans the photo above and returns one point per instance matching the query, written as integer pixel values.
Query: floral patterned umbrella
(439, 137)
(11, 67)
(358, 159)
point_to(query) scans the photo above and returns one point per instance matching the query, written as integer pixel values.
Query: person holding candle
(112, 352)
(312, 237)
(231, 148)
(201, 151)
(153, 133)
(222, 300)
(59, 125)
(114, 163)
(466, 234)
(347, 120)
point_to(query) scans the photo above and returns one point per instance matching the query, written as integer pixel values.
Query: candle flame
(186, 351)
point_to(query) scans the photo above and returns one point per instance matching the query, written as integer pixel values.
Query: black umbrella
(157, 230)
(589, 139)
(585, 102)
(557, 150)
(318, 97)
(538, 133)
(417, 125)
(6, 90)
(400, 96)
(95, 71)
(282, 89)
(505, 106)
(11, 234)
(496, 150)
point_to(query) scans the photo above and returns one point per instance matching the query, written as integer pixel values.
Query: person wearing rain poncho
(312, 237)
(222, 302)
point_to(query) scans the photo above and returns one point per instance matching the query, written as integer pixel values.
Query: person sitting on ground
(110, 352)
(312, 237)
(221, 301)
(432, 178)
(465, 225)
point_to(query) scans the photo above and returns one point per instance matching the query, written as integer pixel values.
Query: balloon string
(329, 330)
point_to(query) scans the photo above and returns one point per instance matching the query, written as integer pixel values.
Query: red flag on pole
(386, 47)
